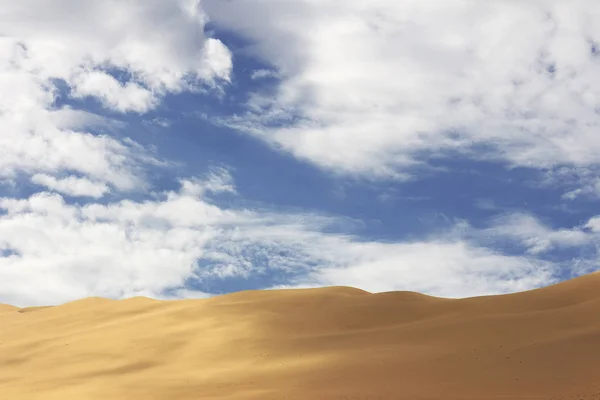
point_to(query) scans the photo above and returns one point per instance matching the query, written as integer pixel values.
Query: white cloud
(71, 185)
(125, 54)
(113, 94)
(369, 87)
(159, 44)
(263, 73)
(162, 122)
(442, 268)
(594, 224)
(64, 252)
(579, 182)
(55, 252)
(67, 118)
(31, 143)
(218, 180)
(537, 237)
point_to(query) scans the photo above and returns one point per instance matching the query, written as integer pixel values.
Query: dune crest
(324, 343)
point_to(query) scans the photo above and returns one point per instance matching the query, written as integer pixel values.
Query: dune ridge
(324, 343)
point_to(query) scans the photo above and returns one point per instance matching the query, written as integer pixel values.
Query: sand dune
(329, 343)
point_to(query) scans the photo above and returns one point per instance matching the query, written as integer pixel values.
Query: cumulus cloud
(72, 186)
(373, 88)
(61, 252)
(113, 94)
(53, 251)
(159, 45)
(124, 54)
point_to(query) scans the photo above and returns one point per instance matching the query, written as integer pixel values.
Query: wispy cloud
(537, 237)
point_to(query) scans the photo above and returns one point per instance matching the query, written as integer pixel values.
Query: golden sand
(329, 343)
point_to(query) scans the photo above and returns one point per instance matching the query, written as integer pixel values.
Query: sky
(185, 148)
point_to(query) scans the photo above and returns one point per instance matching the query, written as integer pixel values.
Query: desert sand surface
(328, 343)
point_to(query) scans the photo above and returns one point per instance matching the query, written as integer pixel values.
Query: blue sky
(182, 149)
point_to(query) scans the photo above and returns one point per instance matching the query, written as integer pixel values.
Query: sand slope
(330, 343)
